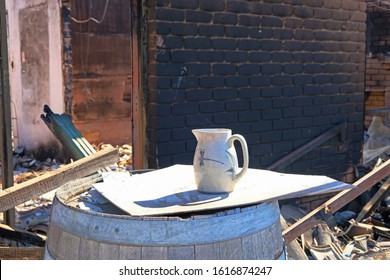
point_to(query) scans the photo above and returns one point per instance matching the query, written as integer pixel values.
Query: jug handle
(245, 153)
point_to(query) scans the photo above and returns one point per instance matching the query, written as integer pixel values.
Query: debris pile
(33, 215)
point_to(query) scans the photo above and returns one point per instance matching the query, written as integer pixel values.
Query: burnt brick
(184, 108)
(271, 114)
(184, 29)
(322, 57)
(249, 93)
(261, 8)
(282, 102)
(211, 30)
(339, 99)
(303, 12)
(293, 46)
(224, 69)
(283, 34)
(312, 46)
(292, 112)
(261, 33)
(258, 104)
(260, 149)
(170, 122)
(260, 81)
(303, 122)
(249, 116)
(249, 20)
(313, 68)
(173, 42)
(282, 10)
(181, 134)
(198, 94)
(261, 126)
(225, 118)
(197, 43)
(163, 83)
(198, 16)
(184, 56)
(159, 109)
(185, 82)
(163, 56)
(271, 136)
(225, 18)
(312, 111)
(236, 56)
(321, 100)
(237, 81)
(304, 35)
(303, 101)
(282, 124)
(211, 106)
(211, 56)
(215, 5)
(225, 93)
(249, 69)
(170, 148)
(236, 31)
(271, 92)
(294, 23)
(249, 44)
(224, 44)
(188, 4)
(292, 91)
(168, 96)
(281, 80)
(200, 120)
(212, 82)
(198, 69)
(322, 79)
(330, 89)
(340, 79)
(237, 105)
(312, 90)
(237, 6)
(329, 110)
(315, 24)
(260, 57)
(303, 57)
(167, 69)
(303, 79)
(270, 21)
(293, 68)
(281, 147)
(271, 45)
(282, 57)
(271, 69)
(163, 28)
(169, 14)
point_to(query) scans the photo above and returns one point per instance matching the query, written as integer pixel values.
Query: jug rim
(212, 130)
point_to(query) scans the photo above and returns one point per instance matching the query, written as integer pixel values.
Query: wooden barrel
(252, 232)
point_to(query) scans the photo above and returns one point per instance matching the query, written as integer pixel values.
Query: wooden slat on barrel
(70, 247)
(108, 251)
(89, 249)
(54, 244)
(231, 249)
(129, 252)
(181, 253)
(209, 251)
(154, 253)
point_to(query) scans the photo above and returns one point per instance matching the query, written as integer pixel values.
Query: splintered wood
(20, 193)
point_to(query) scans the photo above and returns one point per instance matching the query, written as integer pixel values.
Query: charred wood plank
(374, 201)
(338, 201)
(32, 188)
(21, 236)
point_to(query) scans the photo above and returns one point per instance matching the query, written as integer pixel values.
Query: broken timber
(319, 140)
(32, 188)
(337, 202)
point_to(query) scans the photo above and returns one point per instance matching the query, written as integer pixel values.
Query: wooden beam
(338, 201)
(21, 236)
(5, 115)
(319, 140)
(32, 188)
(374, 201)
(22, 253)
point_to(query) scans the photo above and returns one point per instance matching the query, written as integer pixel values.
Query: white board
(173, 190)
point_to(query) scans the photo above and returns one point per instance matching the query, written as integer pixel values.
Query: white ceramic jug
(215, 160)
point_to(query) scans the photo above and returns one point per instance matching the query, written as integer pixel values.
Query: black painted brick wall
(279, 72)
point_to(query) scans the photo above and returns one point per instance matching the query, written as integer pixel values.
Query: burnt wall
(377, 90)
(278, 72)
(101, 73)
